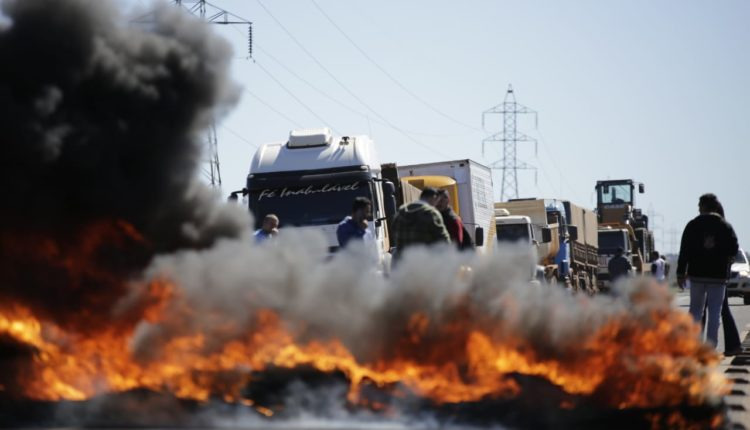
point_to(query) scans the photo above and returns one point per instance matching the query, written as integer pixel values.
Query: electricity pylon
(509, 165)
(215, 15)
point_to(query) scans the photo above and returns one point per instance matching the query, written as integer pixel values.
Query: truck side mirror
(234, 195)
(546, 235)
(389, 197)
(641, 188)
(573, 232)
(479, 236)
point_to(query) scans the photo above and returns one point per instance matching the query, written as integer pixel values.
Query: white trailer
(474, 193)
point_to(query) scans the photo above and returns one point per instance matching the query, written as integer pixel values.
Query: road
(740, 312)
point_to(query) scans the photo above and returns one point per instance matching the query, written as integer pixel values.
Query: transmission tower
(509, 165)
(215, 15)
(652, 215)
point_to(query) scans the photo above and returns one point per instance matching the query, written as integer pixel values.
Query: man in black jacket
(619, 266)
(708, 246)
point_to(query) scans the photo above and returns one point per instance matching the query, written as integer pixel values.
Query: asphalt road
(740, 312)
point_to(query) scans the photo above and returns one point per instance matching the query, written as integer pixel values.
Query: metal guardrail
(737, 369)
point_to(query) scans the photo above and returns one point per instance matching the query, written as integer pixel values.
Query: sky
(653, 91)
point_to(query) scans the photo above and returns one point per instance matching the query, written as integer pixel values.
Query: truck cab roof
(512, 219)
(315, 149)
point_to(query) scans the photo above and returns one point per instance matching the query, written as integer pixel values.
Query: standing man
(419, 222)
(708, 247)
(452, 222)
(354, 226)
(658, 267)
(268, 229)
(618, 266)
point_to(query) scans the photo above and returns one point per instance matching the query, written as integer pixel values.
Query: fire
(465, 356)
(623, 365)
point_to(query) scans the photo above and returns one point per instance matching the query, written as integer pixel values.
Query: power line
(389, 75)
(338, 101)
(269, 106)
(238, 136)
(548, 150)
(291, 94)
(341, 84)
(213, 14)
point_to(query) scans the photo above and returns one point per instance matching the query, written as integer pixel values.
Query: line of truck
(310, 180)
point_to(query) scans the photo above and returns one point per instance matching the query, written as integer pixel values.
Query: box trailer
(471, 196)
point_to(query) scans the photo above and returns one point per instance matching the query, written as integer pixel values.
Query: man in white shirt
(658, 267)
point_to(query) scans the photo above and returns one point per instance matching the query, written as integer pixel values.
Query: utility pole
(214, 15)
(673, 240)
(652, 215)
(509, 165)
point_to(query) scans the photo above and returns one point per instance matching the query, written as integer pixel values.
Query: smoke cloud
(456, 295)
(103, 120)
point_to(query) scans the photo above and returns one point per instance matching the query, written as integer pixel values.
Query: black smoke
(103, 118)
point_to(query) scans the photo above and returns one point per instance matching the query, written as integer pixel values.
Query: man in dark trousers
(618, 266)
(732, 342)
(707, 249)
(452, 222)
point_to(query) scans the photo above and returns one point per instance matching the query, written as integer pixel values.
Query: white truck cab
(310, 182)
(520, 228)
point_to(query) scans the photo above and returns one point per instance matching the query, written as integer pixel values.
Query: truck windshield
(303, 203)
(512, 232)
(609, 241)
(616, 194)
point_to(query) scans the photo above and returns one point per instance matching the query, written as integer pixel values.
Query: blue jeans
(710, 296)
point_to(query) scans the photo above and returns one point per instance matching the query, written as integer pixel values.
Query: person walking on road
(658, 267)
(732, 342)
(708, 246)
(619, 266)
(452, 222)
(419, 223)
(268, 229)
(354, 226)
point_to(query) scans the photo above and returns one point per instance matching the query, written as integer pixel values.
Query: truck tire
(586, 284)
(746, 299)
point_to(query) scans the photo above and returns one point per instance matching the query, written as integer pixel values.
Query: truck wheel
(585, 284)
(746, 299)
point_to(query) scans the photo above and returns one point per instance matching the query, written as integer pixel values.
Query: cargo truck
(621, 225)
(520, 229)
(582, 225)
(571, 256)
(310, 181)
(536, 211)
(469, 185)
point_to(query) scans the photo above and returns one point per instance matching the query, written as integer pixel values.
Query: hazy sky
(654, 91)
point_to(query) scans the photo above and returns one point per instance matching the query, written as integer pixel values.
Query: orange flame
(624, 365)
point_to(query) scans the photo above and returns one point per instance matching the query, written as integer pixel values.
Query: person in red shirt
(452, 222)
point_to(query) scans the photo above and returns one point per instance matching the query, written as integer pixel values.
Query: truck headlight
(744, 273)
